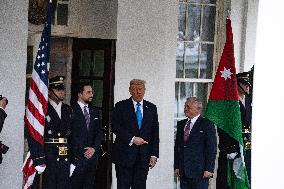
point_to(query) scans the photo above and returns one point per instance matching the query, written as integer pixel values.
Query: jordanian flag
(223, 108)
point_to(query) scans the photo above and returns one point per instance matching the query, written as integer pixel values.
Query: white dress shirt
(82, 106)
(57, 107)
(192, 122)
(135, 106)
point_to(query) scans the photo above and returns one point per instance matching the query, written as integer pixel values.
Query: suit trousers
(55, 176)
(134, 177)
(221, 181)
(194, 183)
(83, 176)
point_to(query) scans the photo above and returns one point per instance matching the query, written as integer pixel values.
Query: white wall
(244, 23)
(90, 19)
(146, 44)
(13, 59)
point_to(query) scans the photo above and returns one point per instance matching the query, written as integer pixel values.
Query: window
(60, 15)
(194, 53)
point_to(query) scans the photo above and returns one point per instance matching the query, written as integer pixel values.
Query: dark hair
(81, 86)
(1, 97)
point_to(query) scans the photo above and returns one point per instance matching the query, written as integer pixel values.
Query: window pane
(179, 59)
(201, 91)
(191, 60)
(98, 93)
(176, 99)
(85, 62)
(208, 23)
(98, 69)
(194, 1)
(193, 23)
(185, 90)
(209, 1)
(181, 21)
(206, 61)
(62, 14)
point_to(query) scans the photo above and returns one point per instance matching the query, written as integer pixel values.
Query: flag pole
(228, 14)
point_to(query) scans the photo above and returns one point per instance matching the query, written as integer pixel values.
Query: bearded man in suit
(195, 147)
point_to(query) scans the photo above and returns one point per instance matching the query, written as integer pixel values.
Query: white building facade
(143, 39)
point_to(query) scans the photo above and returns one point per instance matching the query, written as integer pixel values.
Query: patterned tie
(87, 117)
(139, 115)
(186, 131)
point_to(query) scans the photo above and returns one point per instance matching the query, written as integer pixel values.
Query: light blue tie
(139, 115)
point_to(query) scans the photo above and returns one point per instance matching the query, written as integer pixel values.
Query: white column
(146, 44)
(267, 117)
(13, 59)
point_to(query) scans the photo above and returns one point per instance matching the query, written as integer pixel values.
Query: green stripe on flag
(226, 115)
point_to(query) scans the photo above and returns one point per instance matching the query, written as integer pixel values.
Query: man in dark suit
(86, 139)
(195, 147)
(3, 115)
(244, 87)
(53, 158)
(136, 147)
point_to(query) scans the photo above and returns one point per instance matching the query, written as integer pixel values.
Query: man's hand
(89, 152)
(139, 141)
(40, 168)
(207, 174)
(232, 155)
(177, 172)
(153, 161)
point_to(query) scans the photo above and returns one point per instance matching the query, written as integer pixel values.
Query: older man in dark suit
(136, 146)
(86, 139)
(195, 147)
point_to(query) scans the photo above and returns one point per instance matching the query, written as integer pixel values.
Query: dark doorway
(93, 61)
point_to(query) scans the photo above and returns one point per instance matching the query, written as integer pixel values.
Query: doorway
(93, 62)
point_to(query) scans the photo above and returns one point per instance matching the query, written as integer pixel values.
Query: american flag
(37, 102)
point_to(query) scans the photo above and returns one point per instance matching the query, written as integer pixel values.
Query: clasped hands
(89, 152)
(140, 141)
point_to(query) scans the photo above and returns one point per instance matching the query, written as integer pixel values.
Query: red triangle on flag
(225, 82)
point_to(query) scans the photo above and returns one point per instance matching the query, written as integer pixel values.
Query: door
(93, 61)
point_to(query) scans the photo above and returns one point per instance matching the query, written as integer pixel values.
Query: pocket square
(201, 131)
(96, 118)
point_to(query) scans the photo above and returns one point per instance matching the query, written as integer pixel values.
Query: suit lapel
(146, 113)
(52, 113)
(91, 113)
(196, 126)
(81, 115)
(132, 113)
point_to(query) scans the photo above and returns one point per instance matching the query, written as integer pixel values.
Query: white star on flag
(226, 73)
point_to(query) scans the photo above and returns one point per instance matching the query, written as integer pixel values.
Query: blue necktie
(139, 115)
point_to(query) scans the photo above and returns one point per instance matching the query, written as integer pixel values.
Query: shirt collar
(82, 105)
(53, 103)
(134, 102)
(193, 120)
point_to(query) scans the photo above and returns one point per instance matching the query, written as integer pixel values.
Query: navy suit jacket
(3, 115)
(81, 136)
(125, 127)
(199, 152)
